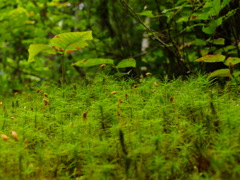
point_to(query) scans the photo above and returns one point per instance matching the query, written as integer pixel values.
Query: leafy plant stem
(178, 122)
(229, 87)
(63, 69)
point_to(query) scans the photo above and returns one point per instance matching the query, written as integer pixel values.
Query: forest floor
(107, 128)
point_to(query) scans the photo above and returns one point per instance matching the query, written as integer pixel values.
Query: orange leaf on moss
(69, 51)
(78, 47)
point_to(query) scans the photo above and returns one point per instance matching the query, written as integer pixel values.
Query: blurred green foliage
(164, 37)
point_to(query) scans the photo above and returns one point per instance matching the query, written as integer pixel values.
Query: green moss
(176, 130)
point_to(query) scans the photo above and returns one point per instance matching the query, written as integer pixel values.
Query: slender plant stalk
(63, 69)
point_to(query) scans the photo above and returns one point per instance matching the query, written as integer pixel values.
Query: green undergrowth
(107, 128)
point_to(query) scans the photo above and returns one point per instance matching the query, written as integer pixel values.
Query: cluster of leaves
(68, 42)
(62, 44)
(176, 33)
(226, 72)
(30, 22)
(191, 29)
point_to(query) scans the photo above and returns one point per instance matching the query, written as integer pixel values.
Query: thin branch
(153, 34)
(145, 52)
(136, 17)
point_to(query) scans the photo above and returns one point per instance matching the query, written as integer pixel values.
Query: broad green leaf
(233, 60)
(200, 42)
(207, 50)
(199, 16)
(35, 49)
(147, 13)
(229, 48)
(216, 7)
(236, 73)
(219, 21)
(71, 41)
(183, 19)
(210, 29)
(127, 63)
(211, 58)
(220, 73)
(92, 62)
(219, 41)
(224, 3)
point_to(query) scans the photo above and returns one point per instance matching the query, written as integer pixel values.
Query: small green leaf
(233, 60)
(236, 73)
(220, 73)
(214, 7)
(200, 42)
(35, 49)
(210, 29)
(127, 63)
(211, 58)
(199, 16)
(147, 13)
(224, 3)
(71, 41)
(219, 41)
(229, 48)
(183, 19)
(93, 62)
